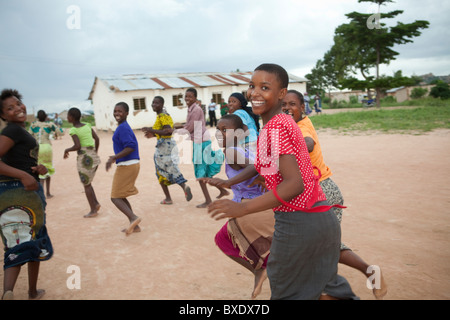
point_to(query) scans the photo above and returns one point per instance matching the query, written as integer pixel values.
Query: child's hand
(148, 133)
(66, 154)
(110, 162)
(221, 209)
(29, 182)
(39, 169)
(259, 181)
(216, 182)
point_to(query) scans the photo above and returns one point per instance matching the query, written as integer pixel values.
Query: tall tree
(365, 42)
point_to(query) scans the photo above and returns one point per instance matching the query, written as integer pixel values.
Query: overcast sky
(52, 57)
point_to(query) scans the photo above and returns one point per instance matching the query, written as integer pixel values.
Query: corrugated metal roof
(181, 80)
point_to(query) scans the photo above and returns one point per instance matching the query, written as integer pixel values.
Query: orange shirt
(316, 156)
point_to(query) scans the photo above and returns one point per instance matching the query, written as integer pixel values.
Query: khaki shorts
(124, 180)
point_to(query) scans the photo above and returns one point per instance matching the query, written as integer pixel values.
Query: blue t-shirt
(124, 137)
(250, 123)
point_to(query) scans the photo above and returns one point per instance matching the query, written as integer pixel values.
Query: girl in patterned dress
(85, 143)
(305, 247)
(166, 153)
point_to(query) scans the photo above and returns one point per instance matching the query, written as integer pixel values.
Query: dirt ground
(398, 218)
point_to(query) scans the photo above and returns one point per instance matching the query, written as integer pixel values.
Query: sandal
(188, 193)
(166, 202)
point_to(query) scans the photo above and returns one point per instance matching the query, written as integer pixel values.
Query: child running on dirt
(246, 239)
(86, 144)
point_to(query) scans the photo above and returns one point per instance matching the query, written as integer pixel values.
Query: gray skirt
(304, 257)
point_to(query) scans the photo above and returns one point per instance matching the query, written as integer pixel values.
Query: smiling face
(13, 110)
(291, 105)
(265, 94)
(157, 105)
(190, 98)
(120, 114)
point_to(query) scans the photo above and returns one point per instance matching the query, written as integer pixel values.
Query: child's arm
(126, 151)
(76, 146)
(96, 139)
(310, 144)
(291, 186)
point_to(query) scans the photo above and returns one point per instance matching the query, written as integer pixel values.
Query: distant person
(212, 113)
(308, 109)
(127, 160)
(58, 122)
(223, 107)
(166, 154)
(22, 200)
(317, 104)
(41, 129)
(86, 144)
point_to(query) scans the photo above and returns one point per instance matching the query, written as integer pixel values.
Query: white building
(139, 90)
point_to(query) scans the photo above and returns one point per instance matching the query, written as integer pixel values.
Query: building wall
(105, 99)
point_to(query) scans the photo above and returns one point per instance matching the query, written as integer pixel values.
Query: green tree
(365, 42)
(440, 90)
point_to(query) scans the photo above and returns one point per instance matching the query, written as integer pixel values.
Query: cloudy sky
(51, 50)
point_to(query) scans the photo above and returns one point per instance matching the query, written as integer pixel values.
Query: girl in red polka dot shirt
(305, 247)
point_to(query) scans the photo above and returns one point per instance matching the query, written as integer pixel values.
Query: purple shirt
(241, 190)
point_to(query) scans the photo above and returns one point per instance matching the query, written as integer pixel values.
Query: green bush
(418, 93)
(440, 90)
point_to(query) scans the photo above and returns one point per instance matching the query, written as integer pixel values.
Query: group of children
(285, 206)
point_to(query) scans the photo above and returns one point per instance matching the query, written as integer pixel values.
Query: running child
(304, 254)
(294, 105)
(204, 158)
(247, 239)
(126, 157)
(166, 153)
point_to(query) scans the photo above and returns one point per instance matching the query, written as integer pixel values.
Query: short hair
(124, 105)
(75, 113)
(193, 90)
(160, 98)
(41, 115)
(277, 70)
(299, 95)
(235, 119)
(8, 93)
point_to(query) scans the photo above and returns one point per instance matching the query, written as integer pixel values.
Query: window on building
(139, 104)
(177, 100)
(217, 97)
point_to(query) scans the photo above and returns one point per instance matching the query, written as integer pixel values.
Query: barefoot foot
(36, 295)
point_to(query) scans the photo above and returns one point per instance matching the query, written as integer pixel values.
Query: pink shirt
(195, 124)
(281, 135)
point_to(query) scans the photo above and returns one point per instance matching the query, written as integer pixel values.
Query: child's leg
(223, 192)
(48, 195)
(206, 194)
(92, 199)
(33, 273)
(351, 259)
(10, 278)
(125, 207)
(168, 199)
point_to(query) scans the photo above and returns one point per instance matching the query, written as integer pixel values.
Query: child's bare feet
(133, 224)
(91, 215)
(135, 230)
(223, 193)
(260, 276)
(36, 295)
(203, 205)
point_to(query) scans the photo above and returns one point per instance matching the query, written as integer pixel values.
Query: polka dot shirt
(281, 135)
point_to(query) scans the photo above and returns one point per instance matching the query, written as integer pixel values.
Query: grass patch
(408, 120)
